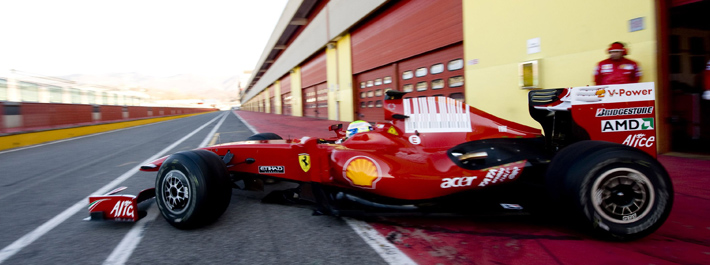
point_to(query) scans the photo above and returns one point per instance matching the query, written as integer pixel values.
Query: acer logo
(457, 182)
(122, 209)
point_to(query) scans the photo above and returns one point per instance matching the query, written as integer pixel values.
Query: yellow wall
(574, 36)
(296, 93)
(331, 62)
(277, 96)
(267, 101)
(345, 79)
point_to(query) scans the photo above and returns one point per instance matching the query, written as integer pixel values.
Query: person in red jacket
(617, 69)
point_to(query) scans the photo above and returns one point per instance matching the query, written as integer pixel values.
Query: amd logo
(624, 125)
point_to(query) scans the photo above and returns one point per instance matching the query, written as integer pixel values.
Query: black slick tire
(614, 191)
(192, 189)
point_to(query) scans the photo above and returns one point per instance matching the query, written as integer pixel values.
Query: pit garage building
(334, 59)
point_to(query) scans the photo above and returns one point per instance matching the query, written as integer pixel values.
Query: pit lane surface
(43, 194)
(38, 184)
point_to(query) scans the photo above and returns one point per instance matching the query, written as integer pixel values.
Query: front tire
(192, 189)
(617, 192)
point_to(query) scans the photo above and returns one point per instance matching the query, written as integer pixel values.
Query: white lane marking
(30, 237)
(130, 241)
(389, 252)
(245, 123)
(213, 131)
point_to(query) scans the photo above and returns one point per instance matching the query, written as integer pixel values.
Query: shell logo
(600, 92)
(362, 172)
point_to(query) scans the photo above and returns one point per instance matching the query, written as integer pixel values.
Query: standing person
(617, 69)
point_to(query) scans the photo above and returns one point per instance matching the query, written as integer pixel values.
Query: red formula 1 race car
(594, 161)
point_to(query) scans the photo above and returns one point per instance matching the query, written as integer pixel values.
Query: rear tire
(615, 191)
(192, 189)
(264, 136)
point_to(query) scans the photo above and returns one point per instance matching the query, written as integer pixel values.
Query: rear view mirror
(335, 127)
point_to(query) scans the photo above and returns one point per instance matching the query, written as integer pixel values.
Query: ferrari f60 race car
(594, 159)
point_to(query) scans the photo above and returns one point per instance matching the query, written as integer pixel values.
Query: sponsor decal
(613, 93)
(392, 131)
(602, 112)
(362, 172)
(624, 125)
(415, 139)
(501, 174)
(457, 182)
(502, 128)
(305, 161)
(272, 170)
(639, 140)
(620, 92)
(122, 209)
(600, 92)
(391, 106)
(436, 114)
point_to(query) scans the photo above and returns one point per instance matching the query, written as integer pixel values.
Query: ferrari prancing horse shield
(305, 160)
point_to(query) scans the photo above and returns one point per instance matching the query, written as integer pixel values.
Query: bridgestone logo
(624, 125)
(625, 111)
(272, 170)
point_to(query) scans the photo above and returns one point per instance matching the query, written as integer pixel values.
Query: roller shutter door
(404, 29)
(313, 80)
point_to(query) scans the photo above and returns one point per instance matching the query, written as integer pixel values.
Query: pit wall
(23, 124)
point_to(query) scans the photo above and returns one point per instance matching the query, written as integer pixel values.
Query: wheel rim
(176, 191)
(623, 195)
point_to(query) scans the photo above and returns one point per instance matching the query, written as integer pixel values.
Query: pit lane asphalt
(37, 184)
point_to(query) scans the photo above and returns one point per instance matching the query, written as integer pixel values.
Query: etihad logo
(602, 112)
(624, 125)
(272, 170)
(362, 172)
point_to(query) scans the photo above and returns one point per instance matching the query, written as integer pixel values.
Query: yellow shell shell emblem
(362, 172)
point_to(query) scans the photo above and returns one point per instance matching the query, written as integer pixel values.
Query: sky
(153, 37)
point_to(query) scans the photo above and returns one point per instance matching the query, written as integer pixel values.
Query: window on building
(55, 94)
(378, 104)
(3, 89)
(437, 84)
(420, 72)
(407, 75)
(378, 81)
(408, 88)
(457, 96)
(421, 86)
(455, 65)
(437, 68)
(456, 81)
(387, 80)
(29, 92)
(378, 93)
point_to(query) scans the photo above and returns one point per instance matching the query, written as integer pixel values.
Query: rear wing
(622, 114)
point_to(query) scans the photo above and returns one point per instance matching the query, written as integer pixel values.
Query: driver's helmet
(357, 127)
